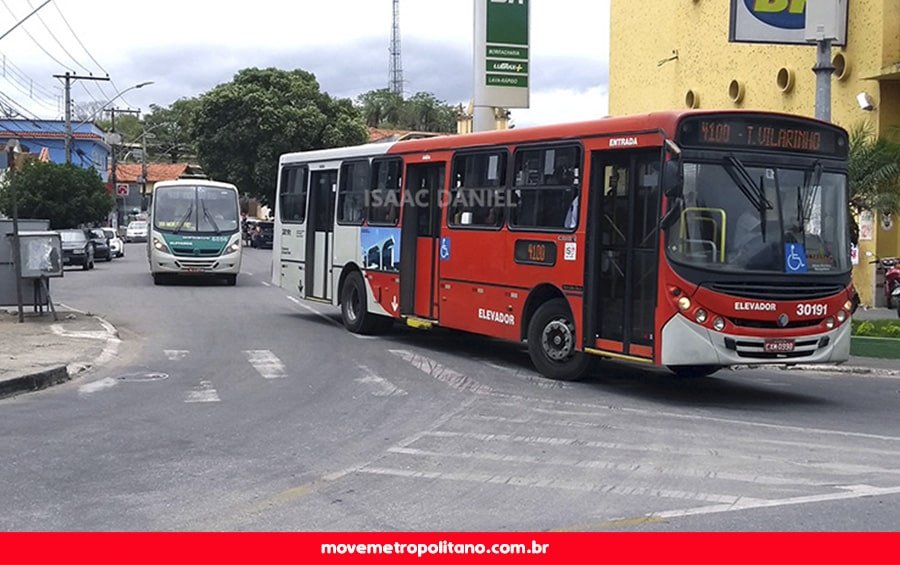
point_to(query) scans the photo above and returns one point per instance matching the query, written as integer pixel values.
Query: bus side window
(478, 190)
(384, 195)
(547, 185)
(293, 194)
(352, 193)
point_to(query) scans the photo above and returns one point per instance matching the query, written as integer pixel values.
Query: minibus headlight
(234, 247)
(160, 246)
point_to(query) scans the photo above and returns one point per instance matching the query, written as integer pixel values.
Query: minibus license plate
(779, 345)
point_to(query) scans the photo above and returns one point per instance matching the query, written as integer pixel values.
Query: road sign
(122, 189)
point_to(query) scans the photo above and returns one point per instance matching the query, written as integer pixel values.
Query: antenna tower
(396, 71)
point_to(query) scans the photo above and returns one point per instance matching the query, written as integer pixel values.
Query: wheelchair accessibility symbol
(794, 258)
(445, 249)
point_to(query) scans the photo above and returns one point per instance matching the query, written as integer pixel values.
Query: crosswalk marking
(97, 386)
(442, 373)
(204, 392)
(175, 354)
(382, 386)
(266, 363)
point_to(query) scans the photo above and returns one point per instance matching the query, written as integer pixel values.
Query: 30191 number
(812, 310)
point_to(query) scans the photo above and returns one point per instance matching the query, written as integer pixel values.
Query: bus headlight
(700, 316)
(848, 306)
(684, 303)
(234, 247)
(841, 317)
(160, 246)
(719, 324)
(829, 323)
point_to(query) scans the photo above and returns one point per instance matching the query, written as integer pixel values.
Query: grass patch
(877, 328)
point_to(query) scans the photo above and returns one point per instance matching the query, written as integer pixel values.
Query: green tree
(172, 138)
(67, 195)
(242, 127)
(420, 112)
(873, 174)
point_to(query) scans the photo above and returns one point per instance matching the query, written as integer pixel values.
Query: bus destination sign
(763, 133)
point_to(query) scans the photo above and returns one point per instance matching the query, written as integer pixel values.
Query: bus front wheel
(551, 343)
(355, 310)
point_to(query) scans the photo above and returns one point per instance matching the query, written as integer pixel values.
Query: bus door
(420, 239)
(320, 234)
(621, 278)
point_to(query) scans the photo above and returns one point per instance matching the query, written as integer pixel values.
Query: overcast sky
(189, 46)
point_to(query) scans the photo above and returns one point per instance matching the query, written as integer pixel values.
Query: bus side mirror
(673, 179)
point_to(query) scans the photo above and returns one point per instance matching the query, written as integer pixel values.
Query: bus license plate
(779, 345)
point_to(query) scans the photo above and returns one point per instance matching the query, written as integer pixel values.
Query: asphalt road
(236, 408)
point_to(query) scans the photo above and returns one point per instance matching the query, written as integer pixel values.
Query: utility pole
(12, 147)
(823, 69)
(112, 147)
(69, 78)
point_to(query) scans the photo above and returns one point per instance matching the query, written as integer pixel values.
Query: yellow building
(668, 54)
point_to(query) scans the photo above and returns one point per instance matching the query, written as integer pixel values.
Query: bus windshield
(195, 209)
(746, 217)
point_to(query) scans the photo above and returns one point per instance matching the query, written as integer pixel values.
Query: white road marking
(264, 283)
(96, 386)
(176, 354)
(110, 335)
(204, 392)
(441, 373)
(326, 317)
(383, 386)
(249, 274)
(561, 484)
(852, 492)
(266, 363)
(631, 468)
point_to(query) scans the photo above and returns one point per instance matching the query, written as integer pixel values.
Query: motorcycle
(891, 288)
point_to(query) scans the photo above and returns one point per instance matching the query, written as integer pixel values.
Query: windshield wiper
(752, 191)
(184, 218)
(210, 218)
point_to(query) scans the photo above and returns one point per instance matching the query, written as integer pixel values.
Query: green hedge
(877, 328)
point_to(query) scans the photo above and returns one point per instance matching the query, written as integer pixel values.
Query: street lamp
(94, 115)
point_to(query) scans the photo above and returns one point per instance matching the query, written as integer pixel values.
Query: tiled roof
(381, 134)
(156, 172)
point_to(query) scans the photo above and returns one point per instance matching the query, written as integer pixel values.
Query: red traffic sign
(122, 189)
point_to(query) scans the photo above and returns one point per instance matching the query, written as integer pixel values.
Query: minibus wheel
(552, 344)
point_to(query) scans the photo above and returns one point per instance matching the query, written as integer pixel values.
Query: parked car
(136, 231)
(115, 242)
(262, 235)
(77, 248)
(102, 249)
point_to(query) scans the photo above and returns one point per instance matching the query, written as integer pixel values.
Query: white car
(116, 245)
(136, 231)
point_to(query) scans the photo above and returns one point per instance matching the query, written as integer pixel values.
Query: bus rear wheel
(551, 343)
(693, 371)
(355, 310)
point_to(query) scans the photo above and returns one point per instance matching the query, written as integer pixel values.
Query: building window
(478, 190)
(547, 185)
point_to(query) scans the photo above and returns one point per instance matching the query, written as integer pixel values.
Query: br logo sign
(784, 14)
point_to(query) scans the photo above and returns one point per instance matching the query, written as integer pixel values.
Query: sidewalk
(42, 352)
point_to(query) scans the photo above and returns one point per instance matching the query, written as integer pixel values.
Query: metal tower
(396, 72)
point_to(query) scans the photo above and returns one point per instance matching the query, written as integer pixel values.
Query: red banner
(463, 548)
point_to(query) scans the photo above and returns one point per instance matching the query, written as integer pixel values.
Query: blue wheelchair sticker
(794, 258)
(445, 249)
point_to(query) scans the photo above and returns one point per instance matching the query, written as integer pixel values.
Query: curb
(845, 369)
(35, 381)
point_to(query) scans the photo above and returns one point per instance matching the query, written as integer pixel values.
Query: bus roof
(337, 153)
(193, 182)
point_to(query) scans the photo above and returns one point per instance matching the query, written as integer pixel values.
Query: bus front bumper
(227, 264)
(687, 343)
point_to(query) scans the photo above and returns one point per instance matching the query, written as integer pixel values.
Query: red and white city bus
(692, 240)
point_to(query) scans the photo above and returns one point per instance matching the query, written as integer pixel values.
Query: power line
(12, 68)
(58, 42)
(36, 42)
